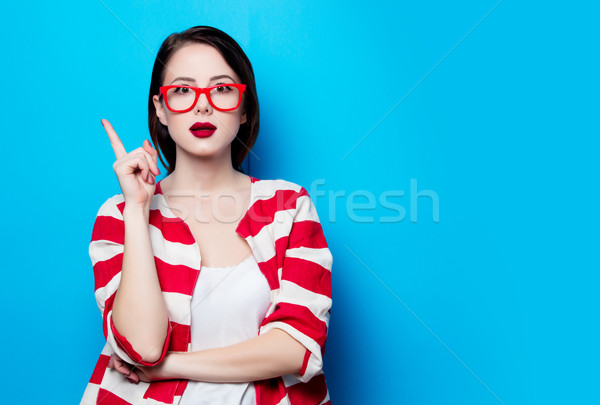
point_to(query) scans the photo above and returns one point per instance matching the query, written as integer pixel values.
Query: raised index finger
(115, 141)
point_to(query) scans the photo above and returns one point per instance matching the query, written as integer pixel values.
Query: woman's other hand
(124, 368)
(140, 373)
(136, 170)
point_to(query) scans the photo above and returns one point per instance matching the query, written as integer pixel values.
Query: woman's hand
(124, 368)
(140, 373)
(136, 170)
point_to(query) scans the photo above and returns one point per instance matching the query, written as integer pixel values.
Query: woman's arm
(272, 354)
(139, 313)
(265, 356)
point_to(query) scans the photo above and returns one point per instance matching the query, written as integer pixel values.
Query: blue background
(492, 107)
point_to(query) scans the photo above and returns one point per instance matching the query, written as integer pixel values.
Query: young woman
(214, 286)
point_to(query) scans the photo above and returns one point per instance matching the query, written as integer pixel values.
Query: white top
(228, 305)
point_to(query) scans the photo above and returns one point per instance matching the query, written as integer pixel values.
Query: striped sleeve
(302, 306)
(106, 254)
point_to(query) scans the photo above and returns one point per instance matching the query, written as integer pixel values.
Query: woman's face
(200, 65)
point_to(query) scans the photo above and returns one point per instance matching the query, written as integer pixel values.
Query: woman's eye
(182, 90)
(223, 89)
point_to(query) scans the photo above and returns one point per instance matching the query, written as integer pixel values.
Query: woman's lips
(202, 129)
(202, 133)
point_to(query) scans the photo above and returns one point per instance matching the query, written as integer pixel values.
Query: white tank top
(228, 305)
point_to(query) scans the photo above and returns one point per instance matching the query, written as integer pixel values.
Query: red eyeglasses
(223, 97)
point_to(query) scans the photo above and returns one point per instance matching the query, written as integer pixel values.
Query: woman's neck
(213, 175)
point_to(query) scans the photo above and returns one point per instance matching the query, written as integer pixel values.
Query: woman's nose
(203, 105)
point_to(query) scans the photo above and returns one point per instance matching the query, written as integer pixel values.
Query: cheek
(180, 121)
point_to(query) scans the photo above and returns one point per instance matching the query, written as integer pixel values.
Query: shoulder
(108, 225)
(112, 207)
(285, 195)
(273, 185)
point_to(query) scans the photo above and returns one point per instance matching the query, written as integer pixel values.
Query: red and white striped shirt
(283, 230)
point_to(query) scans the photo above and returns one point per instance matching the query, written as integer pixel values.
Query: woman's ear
(160, 110)
(244, 116)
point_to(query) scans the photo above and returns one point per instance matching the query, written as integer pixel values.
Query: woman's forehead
(199, 61)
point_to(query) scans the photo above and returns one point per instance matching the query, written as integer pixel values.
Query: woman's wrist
(136, 211)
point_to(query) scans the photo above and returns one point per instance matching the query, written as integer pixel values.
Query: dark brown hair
(239, 62)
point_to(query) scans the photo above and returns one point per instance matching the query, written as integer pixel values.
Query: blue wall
(451, 149)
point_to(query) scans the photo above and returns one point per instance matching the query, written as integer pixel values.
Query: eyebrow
(191, 79)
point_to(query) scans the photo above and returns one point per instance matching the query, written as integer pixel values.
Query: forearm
(139, 310)
(272, 354)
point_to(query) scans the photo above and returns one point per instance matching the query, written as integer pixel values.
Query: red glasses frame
(203, 90)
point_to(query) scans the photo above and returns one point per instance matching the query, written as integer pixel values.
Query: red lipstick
(202, 129)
